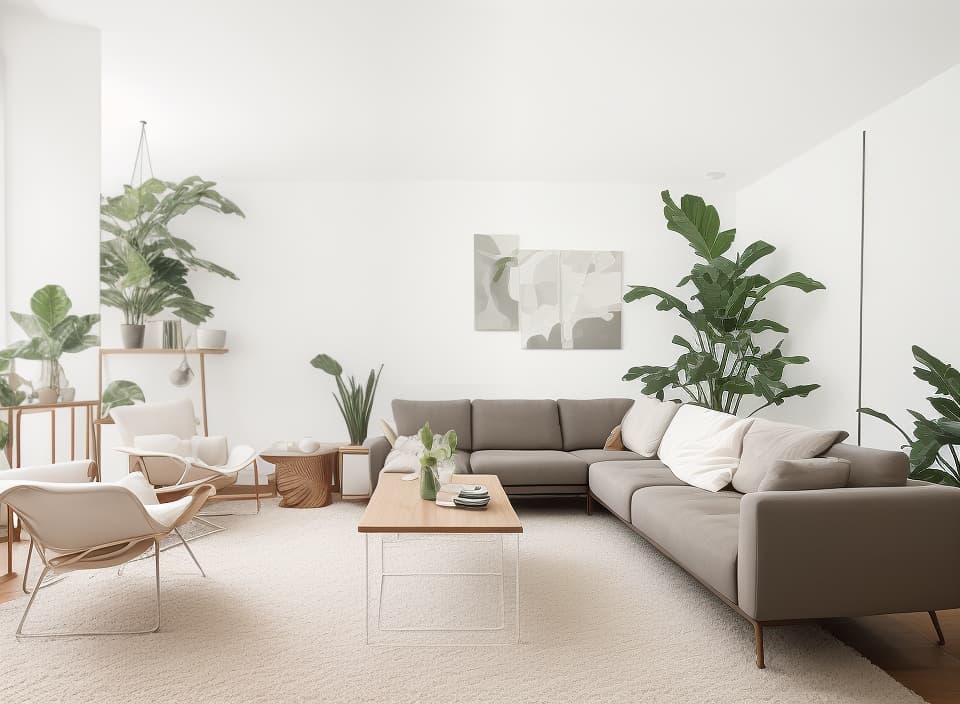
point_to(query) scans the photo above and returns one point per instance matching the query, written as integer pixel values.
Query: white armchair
(79, 525)
(161, 442)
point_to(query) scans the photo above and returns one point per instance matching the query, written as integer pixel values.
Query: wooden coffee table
(397, 516)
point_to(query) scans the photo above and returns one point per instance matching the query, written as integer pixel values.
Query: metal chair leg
(936, 624)
(26, 571)
(190, 552)
(20, 634)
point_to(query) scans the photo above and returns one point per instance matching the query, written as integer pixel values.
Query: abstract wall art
(570, 299)
(494, 282)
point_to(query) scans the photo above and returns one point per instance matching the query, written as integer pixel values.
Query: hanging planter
(143, 267)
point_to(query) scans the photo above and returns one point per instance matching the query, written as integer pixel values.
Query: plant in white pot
(143, 267)
(53, 332)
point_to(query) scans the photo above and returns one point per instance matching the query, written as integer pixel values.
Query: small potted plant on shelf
(53, 333)
(436, 462)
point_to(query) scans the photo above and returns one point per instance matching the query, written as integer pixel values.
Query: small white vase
(211, 339)
(308, 444)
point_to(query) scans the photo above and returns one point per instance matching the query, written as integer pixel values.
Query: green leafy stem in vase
(437, 449)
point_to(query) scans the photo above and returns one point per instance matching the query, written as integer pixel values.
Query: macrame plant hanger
(142, 158)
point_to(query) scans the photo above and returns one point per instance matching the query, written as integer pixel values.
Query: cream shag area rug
(605, 618)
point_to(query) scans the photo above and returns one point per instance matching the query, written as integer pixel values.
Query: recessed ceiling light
(715, 175)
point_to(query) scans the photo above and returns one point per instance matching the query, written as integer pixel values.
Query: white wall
(51, 181)
(912, 245)
(382, 272)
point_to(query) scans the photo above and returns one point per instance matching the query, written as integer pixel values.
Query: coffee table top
(396, 507)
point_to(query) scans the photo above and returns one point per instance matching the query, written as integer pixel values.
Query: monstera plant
(725, 358)
(933, 447)
(53, 332)
(143, 266)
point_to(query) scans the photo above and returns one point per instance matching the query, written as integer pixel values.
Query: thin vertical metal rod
(863, 211)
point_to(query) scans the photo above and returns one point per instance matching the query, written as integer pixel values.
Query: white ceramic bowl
(211, 339)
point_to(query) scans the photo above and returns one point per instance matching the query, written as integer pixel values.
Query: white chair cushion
(405, 455)
(210, 450)
(163, 442)
(168, 513)
(142, 489)
(173, 417)
(645, 423)
(702, 447)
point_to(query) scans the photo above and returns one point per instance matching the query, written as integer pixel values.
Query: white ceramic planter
(354, 473)
(211, 339)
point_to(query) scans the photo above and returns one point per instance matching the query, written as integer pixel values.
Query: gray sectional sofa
(883, 544)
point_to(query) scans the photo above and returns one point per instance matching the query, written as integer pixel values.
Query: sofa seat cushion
(516, 424)
(699, 529)
(614, 483)
(591, 456)
(530, 467)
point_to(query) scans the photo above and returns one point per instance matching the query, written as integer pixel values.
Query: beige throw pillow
(644, 425)
(767, 441)
(614, 440)
(389, 433)
(805, 475)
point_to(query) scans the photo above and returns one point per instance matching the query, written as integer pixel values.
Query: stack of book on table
(472, 496)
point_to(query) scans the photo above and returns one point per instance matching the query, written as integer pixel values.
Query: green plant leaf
(886, 419)
(943, 377)
(794, 280)
(50, 305)
(30, 324)
(945, 406)
(426, 436)
(762, 325)
(699, 223)
(754, 252)
(328, 364)
(120, 393)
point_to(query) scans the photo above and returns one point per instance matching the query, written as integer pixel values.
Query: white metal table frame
(502, 537)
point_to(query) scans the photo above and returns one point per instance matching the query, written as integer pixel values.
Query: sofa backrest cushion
(645, 425)
(516, 424)
(442, 416)
(769, 441)
(806, 475)
(586, 423)
(872, 467)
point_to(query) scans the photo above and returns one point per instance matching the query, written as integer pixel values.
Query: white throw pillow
(136, 483)
(702, 447)
(643, 427)
(405, 455)
(211, 450)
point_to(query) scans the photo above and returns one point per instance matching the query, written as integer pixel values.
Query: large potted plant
(143, 266)
(53, 332)
(933, 447)
(355, 400)
(724, 360)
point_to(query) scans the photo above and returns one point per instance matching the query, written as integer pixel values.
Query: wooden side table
(304, 479)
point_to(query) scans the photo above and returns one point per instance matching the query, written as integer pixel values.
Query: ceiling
(599, 90)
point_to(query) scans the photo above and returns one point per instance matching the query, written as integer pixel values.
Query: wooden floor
(904, 645)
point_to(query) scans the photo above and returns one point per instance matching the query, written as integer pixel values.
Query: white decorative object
(645, 423)
(308, 445)
(702, 447)
(208, 339)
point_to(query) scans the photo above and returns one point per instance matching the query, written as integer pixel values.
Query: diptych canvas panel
(494, 283)
(570, 299)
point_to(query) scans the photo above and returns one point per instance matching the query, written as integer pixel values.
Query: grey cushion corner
(516, 424)
(410, 415)
(871, 467)
(586, 423)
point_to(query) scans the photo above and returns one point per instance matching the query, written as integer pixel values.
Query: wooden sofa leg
(936, 624)
(758, 634)
(590, 506)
